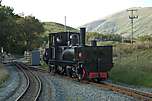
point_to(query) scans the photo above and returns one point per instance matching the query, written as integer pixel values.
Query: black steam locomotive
(67, 54)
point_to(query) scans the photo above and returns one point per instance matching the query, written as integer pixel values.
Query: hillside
(119, 23)
(52, 27)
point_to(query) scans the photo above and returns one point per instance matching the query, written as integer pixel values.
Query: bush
(125, 48)
(145, 38)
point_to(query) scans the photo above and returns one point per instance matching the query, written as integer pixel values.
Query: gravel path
(68, 90)
(13, 86)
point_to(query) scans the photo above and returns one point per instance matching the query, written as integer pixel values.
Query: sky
(77, 12)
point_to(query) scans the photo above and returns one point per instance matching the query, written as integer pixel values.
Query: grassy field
(132, 66)
(3, 74)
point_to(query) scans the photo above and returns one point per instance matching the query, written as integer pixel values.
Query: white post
(2, 50)
(65, 24)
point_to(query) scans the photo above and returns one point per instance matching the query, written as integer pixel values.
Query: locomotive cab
(74, 40)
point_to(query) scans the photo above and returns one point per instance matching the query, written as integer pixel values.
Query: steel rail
(28, 81)
(40, 87)
(29, 75)
(144, 96)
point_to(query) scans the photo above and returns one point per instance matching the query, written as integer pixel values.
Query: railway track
(33, 86)
(139, 95)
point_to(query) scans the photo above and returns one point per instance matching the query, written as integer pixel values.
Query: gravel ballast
(57, 88)
(69, 90)
(14, 86)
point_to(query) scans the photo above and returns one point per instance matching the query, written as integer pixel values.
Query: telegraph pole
(132, 17)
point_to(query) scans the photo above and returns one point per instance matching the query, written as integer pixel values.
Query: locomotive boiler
(69, 55)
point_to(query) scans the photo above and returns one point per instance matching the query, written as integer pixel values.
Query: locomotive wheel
(68, 72)
(98, 80)
(74, 73)
(61, 70)
(54, 69)
(81, 74)
(79, 77)
(50, 68)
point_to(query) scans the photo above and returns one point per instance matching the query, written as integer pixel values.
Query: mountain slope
(52, 27)
(94, 24)
(119, 23)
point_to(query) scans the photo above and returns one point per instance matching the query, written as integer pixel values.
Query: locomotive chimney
(82, 36)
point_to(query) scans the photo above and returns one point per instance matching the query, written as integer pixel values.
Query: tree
(19, 33)
(103, 37)
(92, 35)
(7, 26)
(31, 29)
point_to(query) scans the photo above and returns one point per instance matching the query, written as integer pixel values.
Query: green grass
(4, 75)
(133, 68)
(44, 65)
